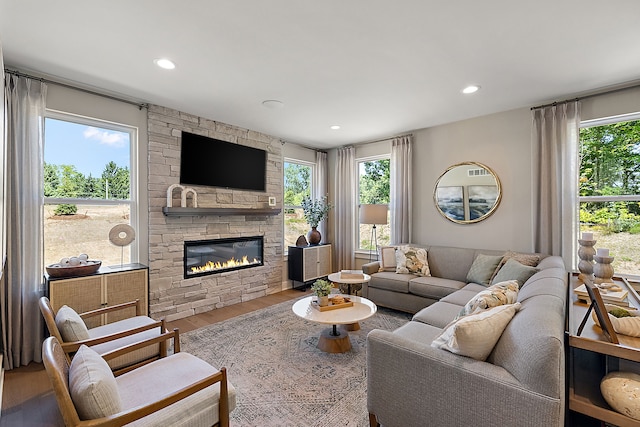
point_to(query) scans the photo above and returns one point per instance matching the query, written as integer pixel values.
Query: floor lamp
(373, 214)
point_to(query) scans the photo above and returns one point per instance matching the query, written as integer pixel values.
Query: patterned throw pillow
(483, 268)
(531, 260)
(410, 260)
(387, 258)
(495, 295)
(476, 335)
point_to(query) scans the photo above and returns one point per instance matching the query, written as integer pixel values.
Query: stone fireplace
(204, 257)
(221, 214)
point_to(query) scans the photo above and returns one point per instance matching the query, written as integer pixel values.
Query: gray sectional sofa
(521, 383)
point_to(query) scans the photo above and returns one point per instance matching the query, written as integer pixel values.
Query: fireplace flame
(214, 266)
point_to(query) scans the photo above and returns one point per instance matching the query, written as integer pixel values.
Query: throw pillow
(387, 258)
(410, 260)
(71, 325)
(513, 270)
(482, 269)
(476, 335)
(92, 386)
(495, 295)
(531, 260)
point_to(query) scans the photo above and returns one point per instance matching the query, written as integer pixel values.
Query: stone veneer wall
(170, 295)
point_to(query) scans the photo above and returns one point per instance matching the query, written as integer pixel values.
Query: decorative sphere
(621, 390)
(64, 262)
(83, 257)
(74, 261)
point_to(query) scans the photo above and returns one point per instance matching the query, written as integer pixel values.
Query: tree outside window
(373, 188)
(297, 184)
(609, 189)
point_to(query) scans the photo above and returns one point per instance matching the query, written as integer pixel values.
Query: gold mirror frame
(454, 194)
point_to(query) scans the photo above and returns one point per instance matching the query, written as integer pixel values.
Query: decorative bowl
(56, 270)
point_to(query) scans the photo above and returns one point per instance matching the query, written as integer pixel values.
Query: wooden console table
(591, 356)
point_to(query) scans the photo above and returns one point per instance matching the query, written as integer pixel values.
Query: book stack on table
(618, 298)
(351, 275)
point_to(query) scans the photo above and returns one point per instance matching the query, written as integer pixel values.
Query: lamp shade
(373, 214)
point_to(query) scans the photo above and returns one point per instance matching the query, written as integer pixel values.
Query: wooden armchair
(177, 389)
(69, 329)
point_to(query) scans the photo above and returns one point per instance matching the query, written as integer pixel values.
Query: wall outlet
(272, 201)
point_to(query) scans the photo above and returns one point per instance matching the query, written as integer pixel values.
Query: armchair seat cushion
(123, 325)
(150, 383)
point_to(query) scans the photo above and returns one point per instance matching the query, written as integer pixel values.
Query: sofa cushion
(476, 335)
(531, 260)
(460, 297)
(70, 324)
(434, 287)
(483, 268)
(513, 270)
(452, 263)
(495, 295)
(92, 386)
(411, 260)
(391, 281)
(388, 258)
(439, 314)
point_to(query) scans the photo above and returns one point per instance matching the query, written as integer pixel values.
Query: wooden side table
(591, 356)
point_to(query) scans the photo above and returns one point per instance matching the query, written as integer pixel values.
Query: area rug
(281, 377)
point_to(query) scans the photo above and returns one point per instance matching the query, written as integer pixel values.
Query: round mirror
(467, 192)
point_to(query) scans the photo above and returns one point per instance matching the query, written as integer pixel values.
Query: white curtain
(320, 184)
(555, 142)
(346, 200)
(401, 192)
(22, 324)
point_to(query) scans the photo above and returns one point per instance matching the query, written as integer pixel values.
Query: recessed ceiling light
(272, 104)
(335, 127)
(165, 63)
(471, 89)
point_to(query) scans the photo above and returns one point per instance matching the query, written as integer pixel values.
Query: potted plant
(314, 212)
(322, 288)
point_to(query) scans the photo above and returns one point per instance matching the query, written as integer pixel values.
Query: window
(609, 188)
(297, 184)
(89, 186)
(373, 188)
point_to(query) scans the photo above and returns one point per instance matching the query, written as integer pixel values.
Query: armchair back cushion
(71, 325)
(92, 386)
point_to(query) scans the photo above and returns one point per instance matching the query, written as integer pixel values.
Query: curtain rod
(44, 80)
(593, 95)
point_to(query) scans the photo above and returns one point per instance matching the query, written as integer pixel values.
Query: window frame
(133, 201)
(359, 160)
(312, 186)
(613, 198)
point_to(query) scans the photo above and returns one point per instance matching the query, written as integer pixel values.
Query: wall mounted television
(215, 163)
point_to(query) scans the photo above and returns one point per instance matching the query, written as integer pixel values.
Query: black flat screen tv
(215, 163)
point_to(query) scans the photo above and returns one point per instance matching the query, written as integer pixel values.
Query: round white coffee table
(335, 278)
(333, 340)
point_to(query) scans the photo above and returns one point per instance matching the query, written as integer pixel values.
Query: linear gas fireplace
(203, 257)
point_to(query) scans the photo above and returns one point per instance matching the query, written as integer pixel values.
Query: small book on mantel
(351, 275)
(608, 296)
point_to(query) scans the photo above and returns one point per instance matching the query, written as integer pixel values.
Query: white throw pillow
(476, 335)
(70, 324)
(92, 386)
(387, 258)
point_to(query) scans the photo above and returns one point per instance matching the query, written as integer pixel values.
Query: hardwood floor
(28, 399)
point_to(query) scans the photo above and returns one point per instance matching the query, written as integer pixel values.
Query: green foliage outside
(374, 183)
(610, 165)
(64, 181)
(66, 209)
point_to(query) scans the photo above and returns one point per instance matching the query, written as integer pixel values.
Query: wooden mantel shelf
(177, 211)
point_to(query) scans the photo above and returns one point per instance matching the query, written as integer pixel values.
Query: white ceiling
(377, 68)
